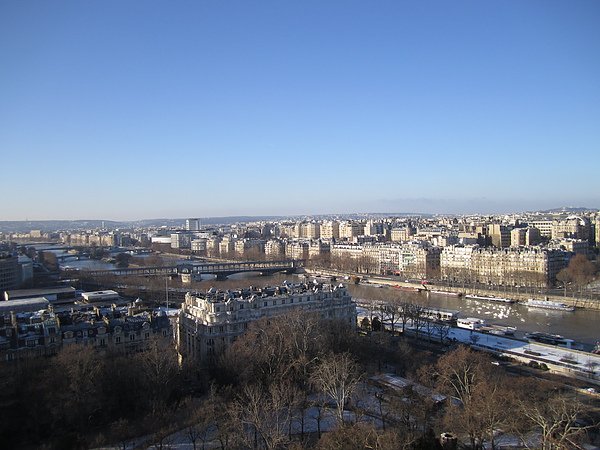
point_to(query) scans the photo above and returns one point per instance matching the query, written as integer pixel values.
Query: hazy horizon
(300, 214)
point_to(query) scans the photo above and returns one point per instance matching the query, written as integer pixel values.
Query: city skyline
(142, 110)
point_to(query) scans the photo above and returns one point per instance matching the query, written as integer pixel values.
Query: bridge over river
(221, 270)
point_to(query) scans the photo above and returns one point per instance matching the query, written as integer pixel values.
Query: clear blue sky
(140, 109)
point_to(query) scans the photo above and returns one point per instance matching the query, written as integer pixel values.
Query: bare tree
(264, 415)
(337, 377)
(159, 369)
(556, 418)
(459, 371)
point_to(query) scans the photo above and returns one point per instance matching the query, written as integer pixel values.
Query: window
(242, 306)
(221, 329)
(283, 301)
(102, 342)
(147, 336)
(118, 339)
(218, 308)
(265, 304)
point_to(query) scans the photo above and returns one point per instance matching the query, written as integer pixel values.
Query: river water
(580, 325)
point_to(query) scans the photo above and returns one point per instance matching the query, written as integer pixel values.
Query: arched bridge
(221, 270)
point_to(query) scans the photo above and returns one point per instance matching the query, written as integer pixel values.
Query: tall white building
(192, 224)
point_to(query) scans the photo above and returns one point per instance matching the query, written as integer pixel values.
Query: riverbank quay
(520, 297)
(567, 362)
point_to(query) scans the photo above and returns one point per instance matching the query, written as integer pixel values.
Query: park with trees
(295, 381)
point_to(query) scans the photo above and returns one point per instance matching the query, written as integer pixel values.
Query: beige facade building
(577, 246)
(274, 249)
(344, 251)
(574, 227)
(312, 230)
(410, 260)
(373, 228)
(522, 266)
(350, 229)
(199, 245)
(545, 227)
(208, 323)
(500, 235)
(517, 237)
(318, 249)
(402, 234)
(212, 246)
(296, 249)
(244, 246)
(226, 246)
(532, 236)
(330, 230)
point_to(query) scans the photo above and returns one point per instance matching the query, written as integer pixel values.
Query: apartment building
(274, 249)
(296, 249)
(192, 224)
(244, 246)
(574, 227)
(499, 235)
(373, 228)
(226, 246)
(575, 246)
(403, 234)
(517, 237)
(43, 332)
(181, 240)
(330, 230)
(544, 226)
(199, 245)
(9, 271)
(523, 266)
(318, 249)
(311, 230)
(350, 229)
(210, 322)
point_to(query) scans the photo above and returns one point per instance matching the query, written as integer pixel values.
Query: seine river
(580, 325)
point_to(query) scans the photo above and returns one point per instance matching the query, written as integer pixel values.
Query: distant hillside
(568, 210)
(19, 226)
